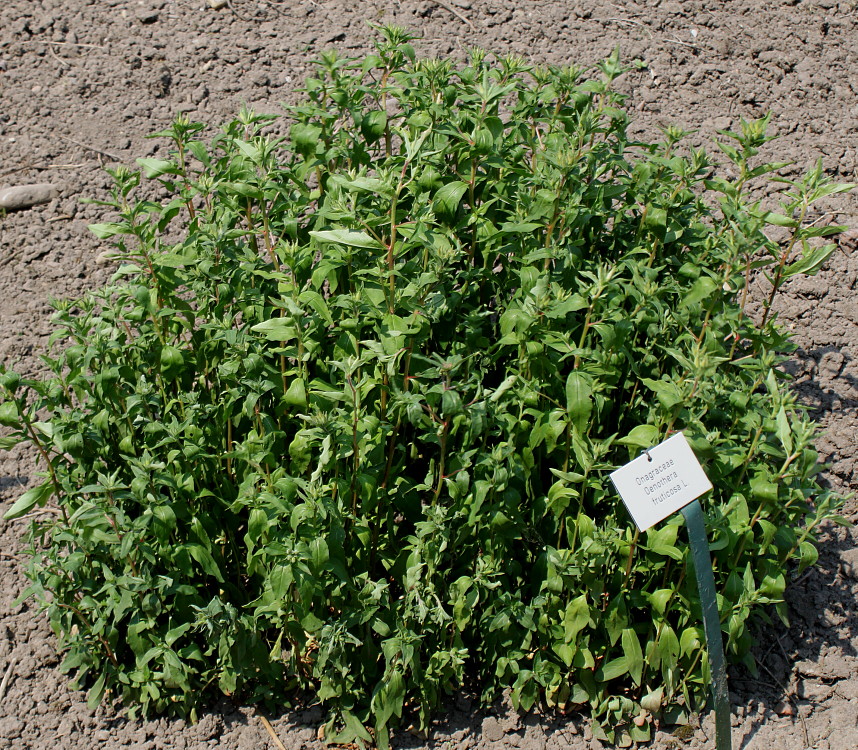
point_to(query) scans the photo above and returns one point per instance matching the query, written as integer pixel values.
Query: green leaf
(642, 436)
(174, 634)
(784, 431)
(668, 645)
(165, 521)
(525, 227)
(701, 289)
(779, 220)
(808, 555)
(244, 189)
(763, 489)
(640, 733)
(810, 262)
(388, 698)
(276, 329)
(652, 701)
(9, 414)
(508, 383)
(616, 618)
(613, 669)
(352, 732)
(579, 400)
(319, 553)
(363, 184)
(305, 137)
(206, 561)
(668, 393)
(448, 197)
(174, 260)
(109, 229)
(576, 617)
(96, 692)
(565, 651)
(525, 691)
(296, 395)
(38, 495)
(317, 302)
(656, 221)
(661, 541)
(348, 237)
(451, 403)
(257, 524)
(633, 654)
(156, 167)
(659, 600)
(373, 125)
(690, 640)
(172, 362)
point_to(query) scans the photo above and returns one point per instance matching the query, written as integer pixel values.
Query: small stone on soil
(25, 196)
(147, 15)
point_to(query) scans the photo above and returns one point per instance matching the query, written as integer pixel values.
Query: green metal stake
(693, 514)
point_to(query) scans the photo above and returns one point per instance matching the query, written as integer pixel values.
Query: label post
(693, 514)
(666, 479)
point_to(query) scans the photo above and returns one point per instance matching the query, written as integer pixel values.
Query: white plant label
(661, 481)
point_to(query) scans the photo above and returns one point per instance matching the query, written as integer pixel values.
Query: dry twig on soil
(25, 167)
(91, 148)
(627, 22)
(64, 44)
(7, 677)
(456, 13)
(274, 737)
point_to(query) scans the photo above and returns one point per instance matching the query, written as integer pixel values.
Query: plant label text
(661, 481)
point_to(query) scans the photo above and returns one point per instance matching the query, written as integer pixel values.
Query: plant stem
(776, 281)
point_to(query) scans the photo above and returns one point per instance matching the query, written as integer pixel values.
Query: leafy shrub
(343, 419)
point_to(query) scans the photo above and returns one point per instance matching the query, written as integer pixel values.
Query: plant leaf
(579, 400)
(38, 495)
(449, 196)
(348, 237)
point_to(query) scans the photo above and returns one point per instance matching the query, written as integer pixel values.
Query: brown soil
(83, 83)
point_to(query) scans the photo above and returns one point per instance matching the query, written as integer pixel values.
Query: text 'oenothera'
(661, 481)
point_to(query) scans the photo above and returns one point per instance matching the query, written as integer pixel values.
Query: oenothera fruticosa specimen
(342, 422)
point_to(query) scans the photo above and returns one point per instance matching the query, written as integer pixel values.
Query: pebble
(147, 15)
(25, 196)
(217, 4)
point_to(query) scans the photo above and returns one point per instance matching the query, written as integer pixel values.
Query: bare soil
(83, 83)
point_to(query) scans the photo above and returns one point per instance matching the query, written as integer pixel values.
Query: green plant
(343, 420)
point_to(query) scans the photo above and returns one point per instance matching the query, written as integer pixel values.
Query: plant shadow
(799, 666)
